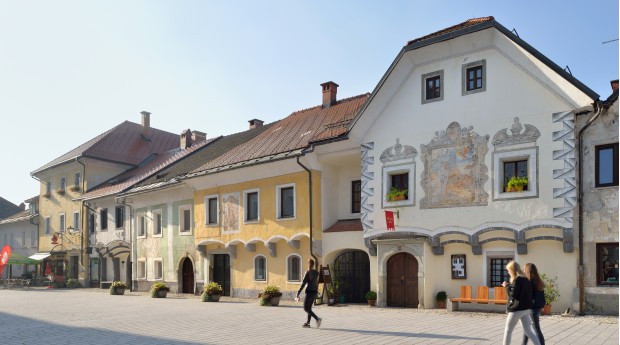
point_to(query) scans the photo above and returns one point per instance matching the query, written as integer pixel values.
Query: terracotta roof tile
(124, 144)
(346, 225)
(453, 28)
(294, 132)
(146, 169)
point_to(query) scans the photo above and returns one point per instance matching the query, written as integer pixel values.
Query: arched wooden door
(188, 276)
(402, 281)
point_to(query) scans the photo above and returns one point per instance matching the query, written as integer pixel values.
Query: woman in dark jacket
(520, 293)
(531, 272)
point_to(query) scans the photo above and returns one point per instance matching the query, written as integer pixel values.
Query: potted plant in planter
(270, 295)
(212, 292)
(332, 292)
(60, 191)
(118, 288)
(441, 298)
(75, 188)
(396, 194)
(159, 290)
(516, 184)
(552, 292)
(371, 297)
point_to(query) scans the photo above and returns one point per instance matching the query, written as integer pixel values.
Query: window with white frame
(293, 268)
(63, 184)
(251, 205)
(48, 188)
(33, 238)
(23, 239)
(497, 270)
(211, 209)
(432, 87)
(48, 225)
(398, 185)
(158, 269)
(141, 269)
(61, 223)
(285, 200)
(119, 216)
(157, 223)
(103, 219)
(77, 180)
(185, 217)
(516, 167)
(76, 221)
(91, 222)
(473, 76)
(260, 268)
(141, 224)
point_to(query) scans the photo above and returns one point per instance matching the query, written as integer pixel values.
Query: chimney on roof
(255, 123)
(22, 206)
(186, 139)
(198, 136)
(329, 94)
(614, 85)
(146, 124)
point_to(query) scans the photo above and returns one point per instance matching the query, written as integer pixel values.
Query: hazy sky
(70, 70)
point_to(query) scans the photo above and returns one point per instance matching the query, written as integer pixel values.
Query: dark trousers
(535, 316)
(310, 297)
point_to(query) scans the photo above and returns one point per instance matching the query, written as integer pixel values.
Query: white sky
(70, 70)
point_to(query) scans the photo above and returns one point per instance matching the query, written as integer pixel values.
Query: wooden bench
(482, 301)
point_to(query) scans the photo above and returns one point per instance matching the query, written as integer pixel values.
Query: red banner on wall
(389, 220)
(4, 257)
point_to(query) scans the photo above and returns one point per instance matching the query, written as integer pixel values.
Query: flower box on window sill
(514, 189)
(47, 195)
(61, 191)
(396, 194)
(75, 188)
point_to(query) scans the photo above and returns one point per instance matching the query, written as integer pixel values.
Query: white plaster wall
(16, 231)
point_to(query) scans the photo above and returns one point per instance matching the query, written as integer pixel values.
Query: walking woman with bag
(531, 272)
(520, 300)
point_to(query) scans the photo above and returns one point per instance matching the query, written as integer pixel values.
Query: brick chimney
(614, 85)
(198, 136)
(186, 139)
(329, 94)
(146, 124)
(255, 123)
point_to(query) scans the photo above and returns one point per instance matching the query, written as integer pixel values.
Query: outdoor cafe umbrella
(16, 259)
(48, 269)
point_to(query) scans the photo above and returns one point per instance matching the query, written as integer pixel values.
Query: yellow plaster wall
(268, 225)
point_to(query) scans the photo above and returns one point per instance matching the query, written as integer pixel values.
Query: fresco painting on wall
(230, 211)
(455, 172)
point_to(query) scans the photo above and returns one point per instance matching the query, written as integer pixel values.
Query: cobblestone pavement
(92, 316)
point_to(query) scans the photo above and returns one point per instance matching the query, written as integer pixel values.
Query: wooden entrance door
(188, 276)
(221, 272)
(402, 281)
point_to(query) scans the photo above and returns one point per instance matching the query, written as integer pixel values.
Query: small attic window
(158, 176)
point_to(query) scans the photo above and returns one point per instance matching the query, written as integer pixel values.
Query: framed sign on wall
(458, 266)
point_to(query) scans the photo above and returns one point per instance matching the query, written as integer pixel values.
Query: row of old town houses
(456, 115)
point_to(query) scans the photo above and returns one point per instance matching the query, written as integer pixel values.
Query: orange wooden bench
(465, 296)
(499, 295)
(482, 295)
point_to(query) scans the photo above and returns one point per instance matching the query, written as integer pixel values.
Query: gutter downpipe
(303, 153)
(118, 200)
(582, 292)
(85, 233)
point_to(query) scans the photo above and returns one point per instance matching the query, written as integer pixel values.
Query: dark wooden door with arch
(402, 281)
(188, 276)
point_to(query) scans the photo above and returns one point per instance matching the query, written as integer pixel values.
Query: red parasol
(48, 269)
(4, 257)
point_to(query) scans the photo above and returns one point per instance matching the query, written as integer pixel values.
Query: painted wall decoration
(454, 170)
(458, 268)
(516, 135)
(230, 212)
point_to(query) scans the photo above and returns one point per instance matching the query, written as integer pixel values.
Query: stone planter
(213, 298)
(117, 291)
(275, 301)
(372, 302)
(162, 293)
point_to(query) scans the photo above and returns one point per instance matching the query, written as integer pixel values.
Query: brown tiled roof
(346, 225)
(295, 132)
(151, 166)
(17, 217)
(7, 208)
(124, 144)
(457, 27)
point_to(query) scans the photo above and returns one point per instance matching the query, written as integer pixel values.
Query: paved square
(91, 316)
